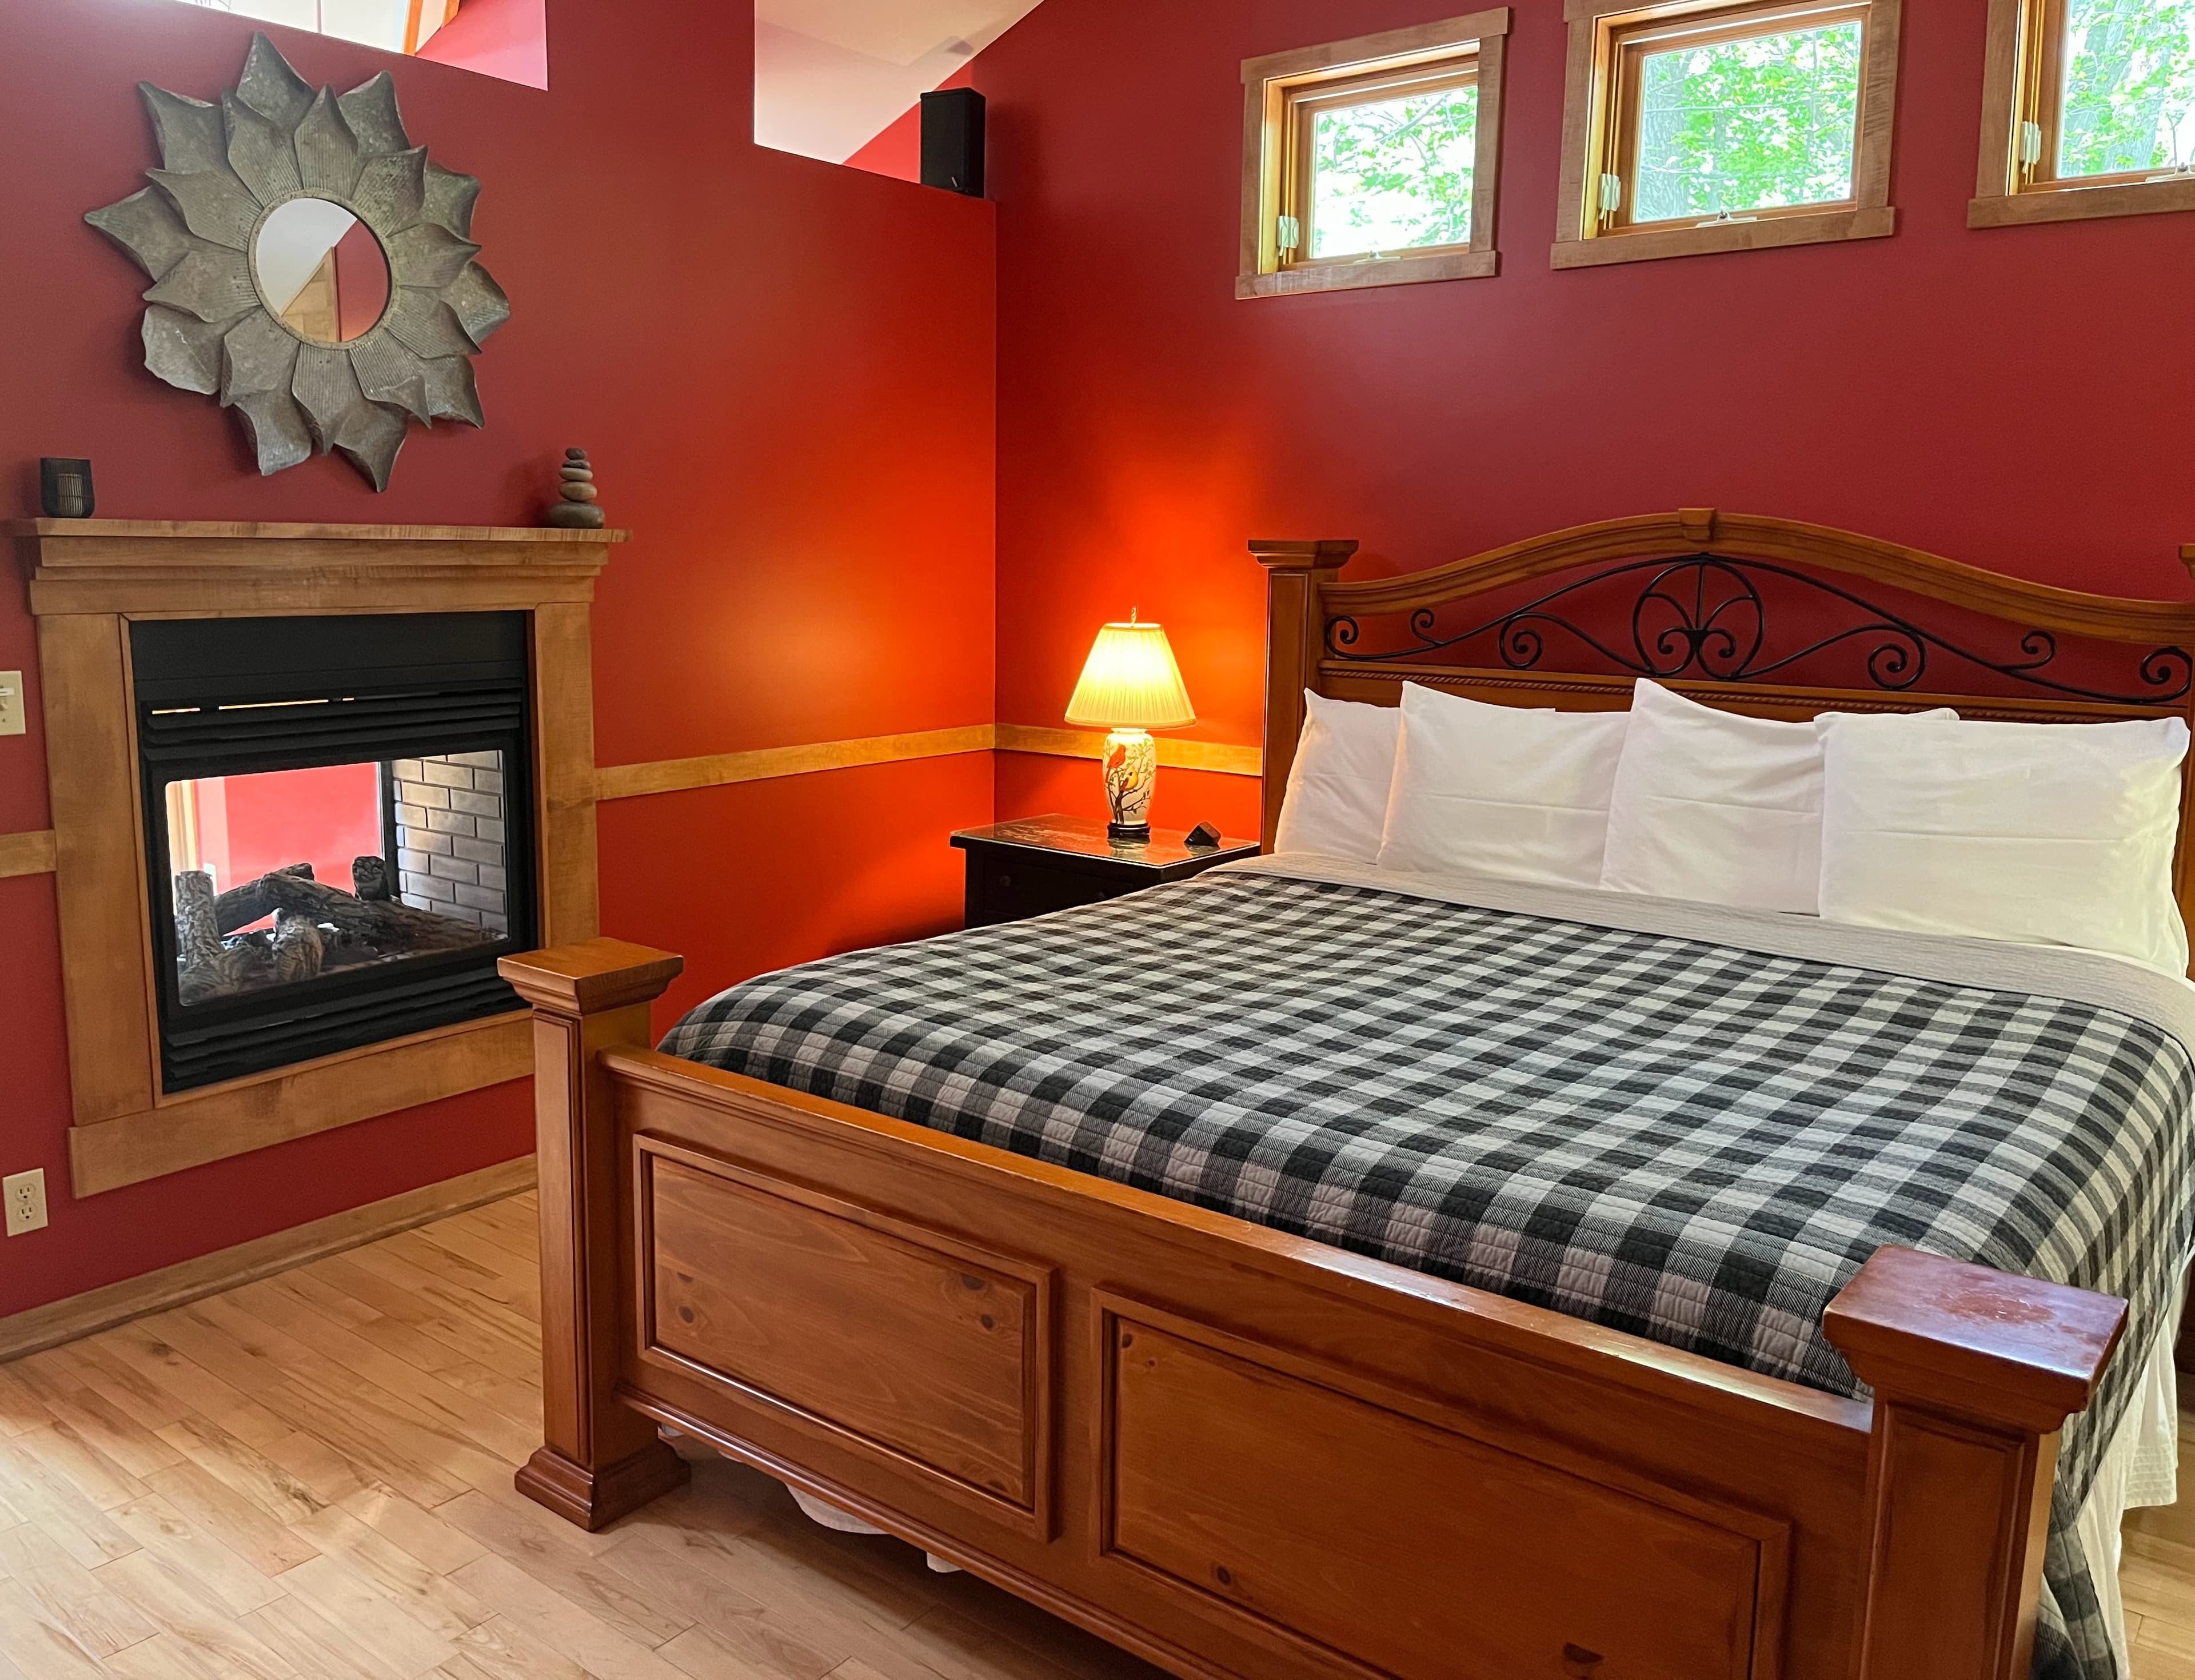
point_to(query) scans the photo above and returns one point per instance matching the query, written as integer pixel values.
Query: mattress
(1689, 1124)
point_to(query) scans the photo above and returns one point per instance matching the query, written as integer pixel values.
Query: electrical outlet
(25, 1194)
(11, 703)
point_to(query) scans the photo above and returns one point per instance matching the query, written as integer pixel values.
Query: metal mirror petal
(311, 269)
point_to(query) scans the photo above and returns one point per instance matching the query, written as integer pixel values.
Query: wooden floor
(308, 1478)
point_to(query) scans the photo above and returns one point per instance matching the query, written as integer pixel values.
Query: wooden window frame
(2020, 85)
(1600, 90)
(1279, 88)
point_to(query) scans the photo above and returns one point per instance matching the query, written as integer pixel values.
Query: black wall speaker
(953, 140)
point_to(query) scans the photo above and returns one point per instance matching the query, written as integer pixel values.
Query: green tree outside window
(1394, 175)
(1750, 125)
(2129, 89)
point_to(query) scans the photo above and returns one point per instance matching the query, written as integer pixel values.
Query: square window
(1697, 129)
(2089, 110)
(1371, 162)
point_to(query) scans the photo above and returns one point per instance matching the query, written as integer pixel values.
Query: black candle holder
(64, 488)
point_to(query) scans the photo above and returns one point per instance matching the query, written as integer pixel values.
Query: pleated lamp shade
(1131, 682)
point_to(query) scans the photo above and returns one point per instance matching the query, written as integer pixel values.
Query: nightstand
(1040, 864)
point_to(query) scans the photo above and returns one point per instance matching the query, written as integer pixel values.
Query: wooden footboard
(1245, 1455)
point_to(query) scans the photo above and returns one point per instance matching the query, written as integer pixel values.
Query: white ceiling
(831, 75)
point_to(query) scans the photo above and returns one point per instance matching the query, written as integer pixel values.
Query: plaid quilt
(1694, 1141)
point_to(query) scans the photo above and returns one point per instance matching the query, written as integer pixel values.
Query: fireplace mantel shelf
(89, 579)
(174, 530)
(173, 565)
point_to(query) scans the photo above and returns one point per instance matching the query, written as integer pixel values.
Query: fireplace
(391, 689)
(338, 844)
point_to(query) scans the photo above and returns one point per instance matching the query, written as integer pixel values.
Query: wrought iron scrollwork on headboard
(1704, 616)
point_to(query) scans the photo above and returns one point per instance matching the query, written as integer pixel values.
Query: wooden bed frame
(1251, 1457)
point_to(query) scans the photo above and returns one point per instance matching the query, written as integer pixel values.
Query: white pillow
(1489, 789)
(1337, 797)
(1718, 808)
(2045, 833)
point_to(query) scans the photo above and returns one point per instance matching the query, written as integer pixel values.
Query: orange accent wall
(2012, 397)
(800, 433)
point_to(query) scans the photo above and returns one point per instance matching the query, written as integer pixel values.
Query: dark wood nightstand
(1040, 864)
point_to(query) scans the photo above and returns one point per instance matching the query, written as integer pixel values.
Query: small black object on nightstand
(1204, 834)
(1043, 864)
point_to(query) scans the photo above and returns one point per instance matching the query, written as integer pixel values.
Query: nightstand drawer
(1038, 864)
(1007, 891)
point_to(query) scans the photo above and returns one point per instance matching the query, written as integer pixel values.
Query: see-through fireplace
(338, 830)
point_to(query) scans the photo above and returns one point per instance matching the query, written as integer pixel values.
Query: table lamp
(1131, 686)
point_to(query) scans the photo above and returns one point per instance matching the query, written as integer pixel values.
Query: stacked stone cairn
(578, 510)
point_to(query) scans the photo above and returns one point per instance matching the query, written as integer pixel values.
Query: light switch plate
(24, 1194)
(11, 703)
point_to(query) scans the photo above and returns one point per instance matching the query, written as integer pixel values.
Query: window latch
(2030, 146)
(1289, 235)
(1611, 196)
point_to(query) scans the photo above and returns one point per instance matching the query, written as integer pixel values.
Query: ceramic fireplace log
(197, 934)
(240, 906)
(383, 924)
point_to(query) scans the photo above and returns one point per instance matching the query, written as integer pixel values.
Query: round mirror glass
(321, 271)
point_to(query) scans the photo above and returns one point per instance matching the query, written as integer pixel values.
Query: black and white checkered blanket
(1689, 1139)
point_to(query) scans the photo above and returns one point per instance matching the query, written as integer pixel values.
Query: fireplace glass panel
(338, 817)
(285, 876)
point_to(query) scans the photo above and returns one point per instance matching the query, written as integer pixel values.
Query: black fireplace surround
(232, 697)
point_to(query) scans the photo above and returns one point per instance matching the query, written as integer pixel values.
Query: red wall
(801, 434)
(2017, 397)
(327, 818)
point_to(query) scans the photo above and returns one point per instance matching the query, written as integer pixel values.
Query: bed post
(1294, 573)
(601, 1459)
(1974, 1372)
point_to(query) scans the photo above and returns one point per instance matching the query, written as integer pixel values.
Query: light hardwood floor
(308, 1478)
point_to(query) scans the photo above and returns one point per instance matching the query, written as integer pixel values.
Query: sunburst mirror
(311, 268)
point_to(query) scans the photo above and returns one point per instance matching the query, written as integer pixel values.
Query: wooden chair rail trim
(1218, 757)
(27, 853)
(726, 769)
(1791, 542)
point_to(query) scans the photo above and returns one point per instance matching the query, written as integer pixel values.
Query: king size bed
(1317, 1269)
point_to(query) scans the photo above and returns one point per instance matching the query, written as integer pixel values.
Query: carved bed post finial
(601, 1459)
(1974, 1373)
(2188, 558)
(1295, 630)
(1699, 524)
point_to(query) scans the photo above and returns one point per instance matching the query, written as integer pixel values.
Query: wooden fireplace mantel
(152, 567)
(89, 580)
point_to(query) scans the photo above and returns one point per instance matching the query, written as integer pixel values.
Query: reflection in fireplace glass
(289, 874)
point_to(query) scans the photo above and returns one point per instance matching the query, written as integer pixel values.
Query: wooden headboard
(1718, 606)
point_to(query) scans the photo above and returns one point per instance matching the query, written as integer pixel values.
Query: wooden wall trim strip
(1214, 756)
(722, 769)
(26, 854)
(98, 1310)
